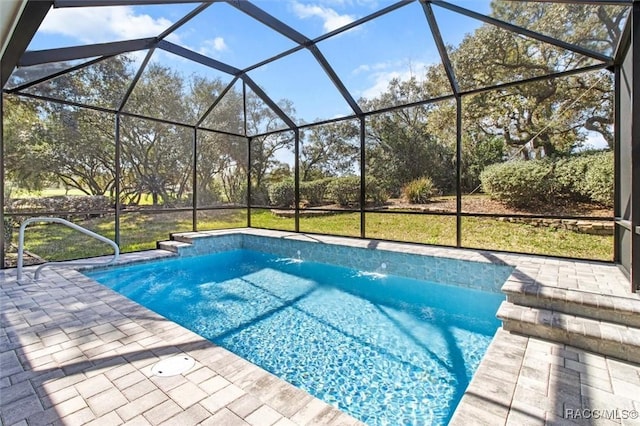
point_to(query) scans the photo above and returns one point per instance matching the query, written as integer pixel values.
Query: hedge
(522, 184)
(8, 232)
(346, 191)
(599, 180)
(314, 191)
(282, 194)
(66, 203)
(518, 184)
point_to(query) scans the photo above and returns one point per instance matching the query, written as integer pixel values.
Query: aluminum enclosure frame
(35, 12)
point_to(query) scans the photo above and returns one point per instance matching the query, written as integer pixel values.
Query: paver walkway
(529, 381)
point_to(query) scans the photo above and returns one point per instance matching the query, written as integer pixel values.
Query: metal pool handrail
(70, 225)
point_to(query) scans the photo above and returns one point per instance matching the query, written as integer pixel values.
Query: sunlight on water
(374, 275)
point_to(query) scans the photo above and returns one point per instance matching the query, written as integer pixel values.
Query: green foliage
(569, 173)
(314, 191)
(519, 184)
(522, 184)
(209, 193)
(329, 150)
(25, 152)
(419, 191)
(259, 195)
(8, 232)
(477, 155)
(536, 115)
(404, 145)
(375, 192)
(586, 177)
(346, 191)
(60, 203)
(282, 194)
(599, 179)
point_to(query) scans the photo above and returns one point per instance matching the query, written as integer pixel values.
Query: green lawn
(138, 231)
(141, 231)
(485, 233)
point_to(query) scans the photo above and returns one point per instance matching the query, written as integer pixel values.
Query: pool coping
(496, 390)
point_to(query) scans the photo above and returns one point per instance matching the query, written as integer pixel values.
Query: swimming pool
(385, 349)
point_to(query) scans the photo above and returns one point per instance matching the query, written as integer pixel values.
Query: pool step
(601, 307)
(604, 337)
(172, 245)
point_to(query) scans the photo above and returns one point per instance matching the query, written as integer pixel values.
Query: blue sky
(397, 45)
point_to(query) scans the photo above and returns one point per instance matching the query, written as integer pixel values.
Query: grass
(490, 234)
(140, 231)
(485, 233)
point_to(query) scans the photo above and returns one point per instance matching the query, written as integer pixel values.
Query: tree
(264, 149)
(221, 163)
(82, 148)
(220, 172)
(329, 150)
(401, 145)
(157, 157)
(552, 116)
(25, 153)
(71, 145)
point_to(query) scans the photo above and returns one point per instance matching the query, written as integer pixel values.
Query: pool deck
(74, 352)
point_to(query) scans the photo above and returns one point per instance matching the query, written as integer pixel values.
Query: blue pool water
(387, 350)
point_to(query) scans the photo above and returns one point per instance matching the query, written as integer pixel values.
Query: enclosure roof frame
(37, 10)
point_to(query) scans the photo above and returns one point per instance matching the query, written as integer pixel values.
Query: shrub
(345, 190)
(419, 191)
(210, 194)
(259, 195)
(282, 194)
(375, 192)
(520, 183)
(60, 203)
(586, 177)
(568, 173)
(236, 194)
(598, 180)
(314, 191)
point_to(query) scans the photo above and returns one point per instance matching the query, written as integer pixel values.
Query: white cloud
(361, 69)
(219, 44)
(380, 74)
(332, 20)
(380, 83)
(380, 66)
(103, 24)
(213, 46)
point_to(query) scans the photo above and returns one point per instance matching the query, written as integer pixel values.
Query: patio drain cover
(173, 366)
